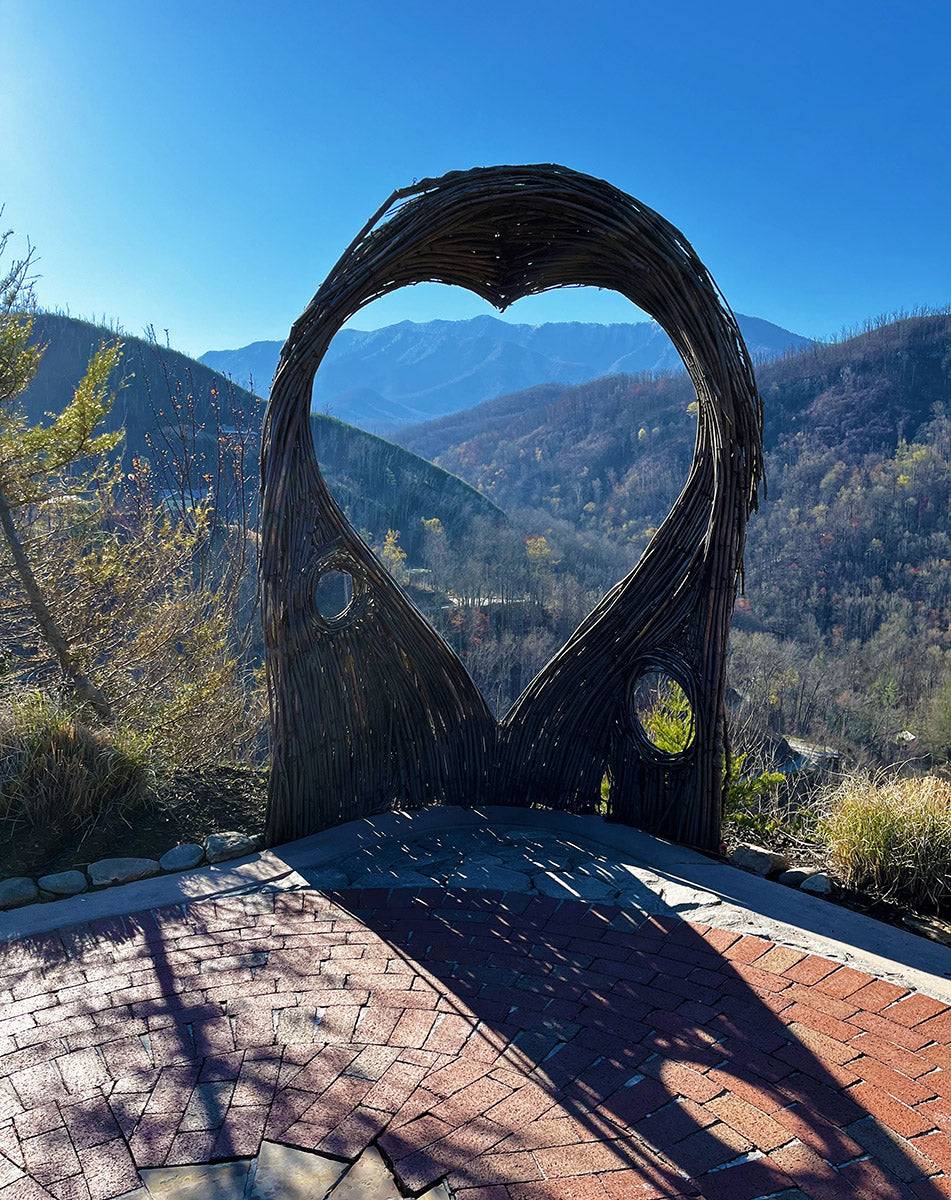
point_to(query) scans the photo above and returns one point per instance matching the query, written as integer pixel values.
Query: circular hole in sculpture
(664, 712)
(333, 594)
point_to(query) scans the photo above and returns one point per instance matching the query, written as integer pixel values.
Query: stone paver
(287, 1173)
(494, 1044)
(209, 1181)
(368, 1179)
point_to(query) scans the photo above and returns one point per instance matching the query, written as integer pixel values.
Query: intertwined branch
(370, 709)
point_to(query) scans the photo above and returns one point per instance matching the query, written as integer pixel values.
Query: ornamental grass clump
(57, 772)
(892, 838)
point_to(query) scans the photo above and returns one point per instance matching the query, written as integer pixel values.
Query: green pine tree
(35, 461)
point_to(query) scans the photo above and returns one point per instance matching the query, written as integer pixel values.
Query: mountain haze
(403, 374)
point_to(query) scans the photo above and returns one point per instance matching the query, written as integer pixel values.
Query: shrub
(751, 799)
(753, 808)
(892, 837)
(56, 771)
(667, 718)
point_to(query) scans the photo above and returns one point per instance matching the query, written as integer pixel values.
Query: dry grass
(892, 838)
(55, 771)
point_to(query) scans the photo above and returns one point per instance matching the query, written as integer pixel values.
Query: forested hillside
(844, 632)
(497, 596)
(634, 435)
(175, 410)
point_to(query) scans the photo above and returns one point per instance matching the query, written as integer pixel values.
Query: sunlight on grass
(55, 769)
(892, 838)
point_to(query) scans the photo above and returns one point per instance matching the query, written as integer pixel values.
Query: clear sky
(200, 165)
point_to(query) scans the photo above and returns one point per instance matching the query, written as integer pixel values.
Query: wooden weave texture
(372, 710)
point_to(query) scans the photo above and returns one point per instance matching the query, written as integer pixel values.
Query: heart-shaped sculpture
(370, 709)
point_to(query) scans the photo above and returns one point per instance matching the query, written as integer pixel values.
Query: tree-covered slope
(172, 407)
(845, 626)
(624, 443)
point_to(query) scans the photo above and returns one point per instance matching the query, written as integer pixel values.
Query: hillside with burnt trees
(844, 630)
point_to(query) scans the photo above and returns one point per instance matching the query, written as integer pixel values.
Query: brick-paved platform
(520, 1047)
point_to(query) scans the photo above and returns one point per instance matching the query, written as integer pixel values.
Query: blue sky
(200, 166)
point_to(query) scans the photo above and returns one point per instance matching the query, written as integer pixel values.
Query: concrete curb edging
(687, 885)
(117, 871)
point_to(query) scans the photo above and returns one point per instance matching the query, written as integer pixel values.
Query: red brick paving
(522, 1048)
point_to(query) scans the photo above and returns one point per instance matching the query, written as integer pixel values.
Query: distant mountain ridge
(404, 374)
(851, 399)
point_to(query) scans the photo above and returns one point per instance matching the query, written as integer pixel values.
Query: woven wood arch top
(505, 233)
(509, 232)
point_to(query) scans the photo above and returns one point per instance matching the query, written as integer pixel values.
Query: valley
(843, 630)
(509, 519)
(505, 523)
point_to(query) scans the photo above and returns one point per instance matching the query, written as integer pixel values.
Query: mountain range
(610, 441)
(403, 374)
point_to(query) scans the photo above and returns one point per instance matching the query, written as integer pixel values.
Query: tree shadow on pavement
(665, 1058)
(521, 1047)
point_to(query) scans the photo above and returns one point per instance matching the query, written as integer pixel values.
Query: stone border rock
(19, 891)
(768, 863)
(112, 872)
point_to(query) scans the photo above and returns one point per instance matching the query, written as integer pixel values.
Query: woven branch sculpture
(370, 708)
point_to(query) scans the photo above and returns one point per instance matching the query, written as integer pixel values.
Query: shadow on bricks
(520, 1047)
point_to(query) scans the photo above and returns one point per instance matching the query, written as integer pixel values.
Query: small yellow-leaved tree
(35, 460)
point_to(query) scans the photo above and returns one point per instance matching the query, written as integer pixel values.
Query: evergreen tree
(37, 461)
